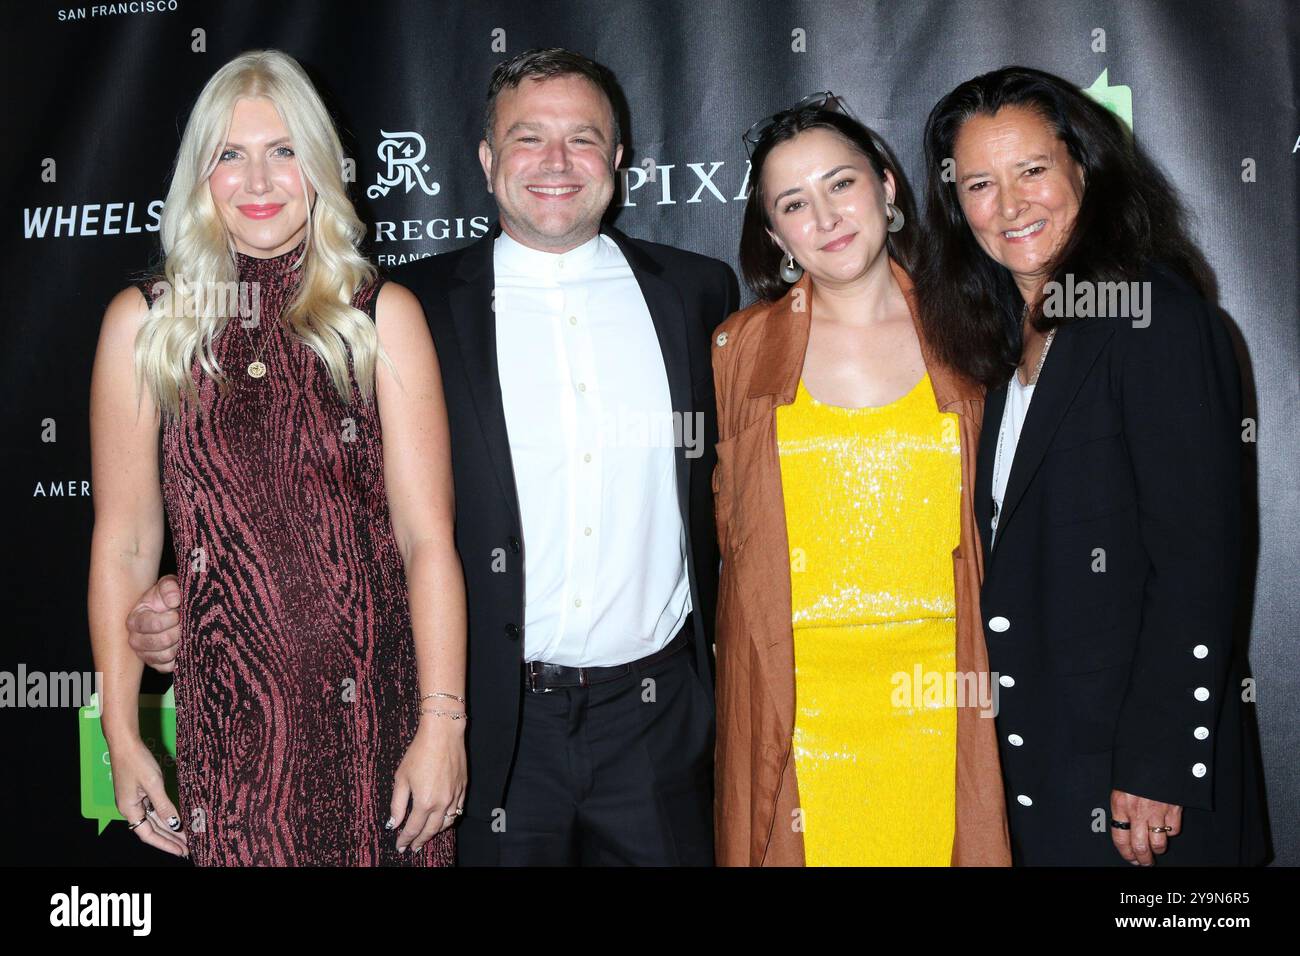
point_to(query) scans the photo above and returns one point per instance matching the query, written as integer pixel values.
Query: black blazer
(687, 296)
(1109, 595)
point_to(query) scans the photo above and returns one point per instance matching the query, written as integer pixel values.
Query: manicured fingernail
(174, 822)
(401, 849)
(390, 824)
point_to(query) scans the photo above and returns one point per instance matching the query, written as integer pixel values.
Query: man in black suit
(590, 565)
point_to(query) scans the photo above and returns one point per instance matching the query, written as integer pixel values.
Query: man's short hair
(544, 64)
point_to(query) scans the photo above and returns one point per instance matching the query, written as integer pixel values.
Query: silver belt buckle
(533, 673)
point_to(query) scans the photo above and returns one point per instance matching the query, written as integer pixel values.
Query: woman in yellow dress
(871, 504)
(854, 702)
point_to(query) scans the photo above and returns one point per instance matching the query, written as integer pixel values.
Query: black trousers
(614, 774)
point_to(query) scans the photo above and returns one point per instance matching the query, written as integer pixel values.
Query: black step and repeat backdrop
(96, 96)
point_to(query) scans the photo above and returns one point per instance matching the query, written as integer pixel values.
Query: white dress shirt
(590, 420)
(1013, 420)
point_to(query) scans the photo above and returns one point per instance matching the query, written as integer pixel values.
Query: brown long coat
(758, 356)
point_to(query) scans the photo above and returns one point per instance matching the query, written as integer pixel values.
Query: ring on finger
(132, 826)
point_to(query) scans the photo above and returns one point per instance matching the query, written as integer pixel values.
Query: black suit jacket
(687, 295)
(1109, 595)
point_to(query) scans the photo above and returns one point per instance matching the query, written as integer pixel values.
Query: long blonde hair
(199, 253)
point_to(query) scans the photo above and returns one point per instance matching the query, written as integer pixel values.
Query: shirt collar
(511, 255)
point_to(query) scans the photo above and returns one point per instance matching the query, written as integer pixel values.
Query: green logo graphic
(1117, 99)
(157, 727)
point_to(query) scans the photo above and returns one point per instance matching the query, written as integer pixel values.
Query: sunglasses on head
(825, 100)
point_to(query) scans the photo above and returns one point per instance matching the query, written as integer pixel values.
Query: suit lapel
(471, 302)
(1072, 355)
(993, 408)
(665, 306)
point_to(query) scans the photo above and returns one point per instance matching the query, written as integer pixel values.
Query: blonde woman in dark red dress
(321, 668)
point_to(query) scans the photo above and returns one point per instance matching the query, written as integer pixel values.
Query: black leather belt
(542, 678)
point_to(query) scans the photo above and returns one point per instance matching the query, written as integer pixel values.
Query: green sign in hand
(157, 727)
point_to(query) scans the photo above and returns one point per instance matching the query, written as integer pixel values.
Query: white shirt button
(582, 386)
(1201, 693)
(1200, 733)
(999, 624)
(1200, 651)
(1198, 770)
(573, 320)
(587, 457)
(1006, 680)
(577, 602)
(1015, 740)
(1024, 801)
(586, 531)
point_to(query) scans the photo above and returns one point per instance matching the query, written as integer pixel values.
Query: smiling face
(1019, 188)
(826, 205)
(551, 165)
(257, 185)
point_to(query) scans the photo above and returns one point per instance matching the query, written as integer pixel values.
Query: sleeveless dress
(872, 501)
(295, 681)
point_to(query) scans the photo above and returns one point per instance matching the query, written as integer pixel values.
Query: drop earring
(894, 216)
(791, 271)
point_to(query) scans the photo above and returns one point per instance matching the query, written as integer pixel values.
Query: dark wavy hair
(760, 257)
(1129, 216)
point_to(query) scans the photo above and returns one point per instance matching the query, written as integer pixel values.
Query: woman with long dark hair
(1108, 485)
(850, 657)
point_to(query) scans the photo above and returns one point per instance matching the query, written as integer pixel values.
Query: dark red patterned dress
(296, 682)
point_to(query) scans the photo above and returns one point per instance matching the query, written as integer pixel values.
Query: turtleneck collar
(281, 267)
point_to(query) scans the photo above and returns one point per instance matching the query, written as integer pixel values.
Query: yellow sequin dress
(872, 501)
